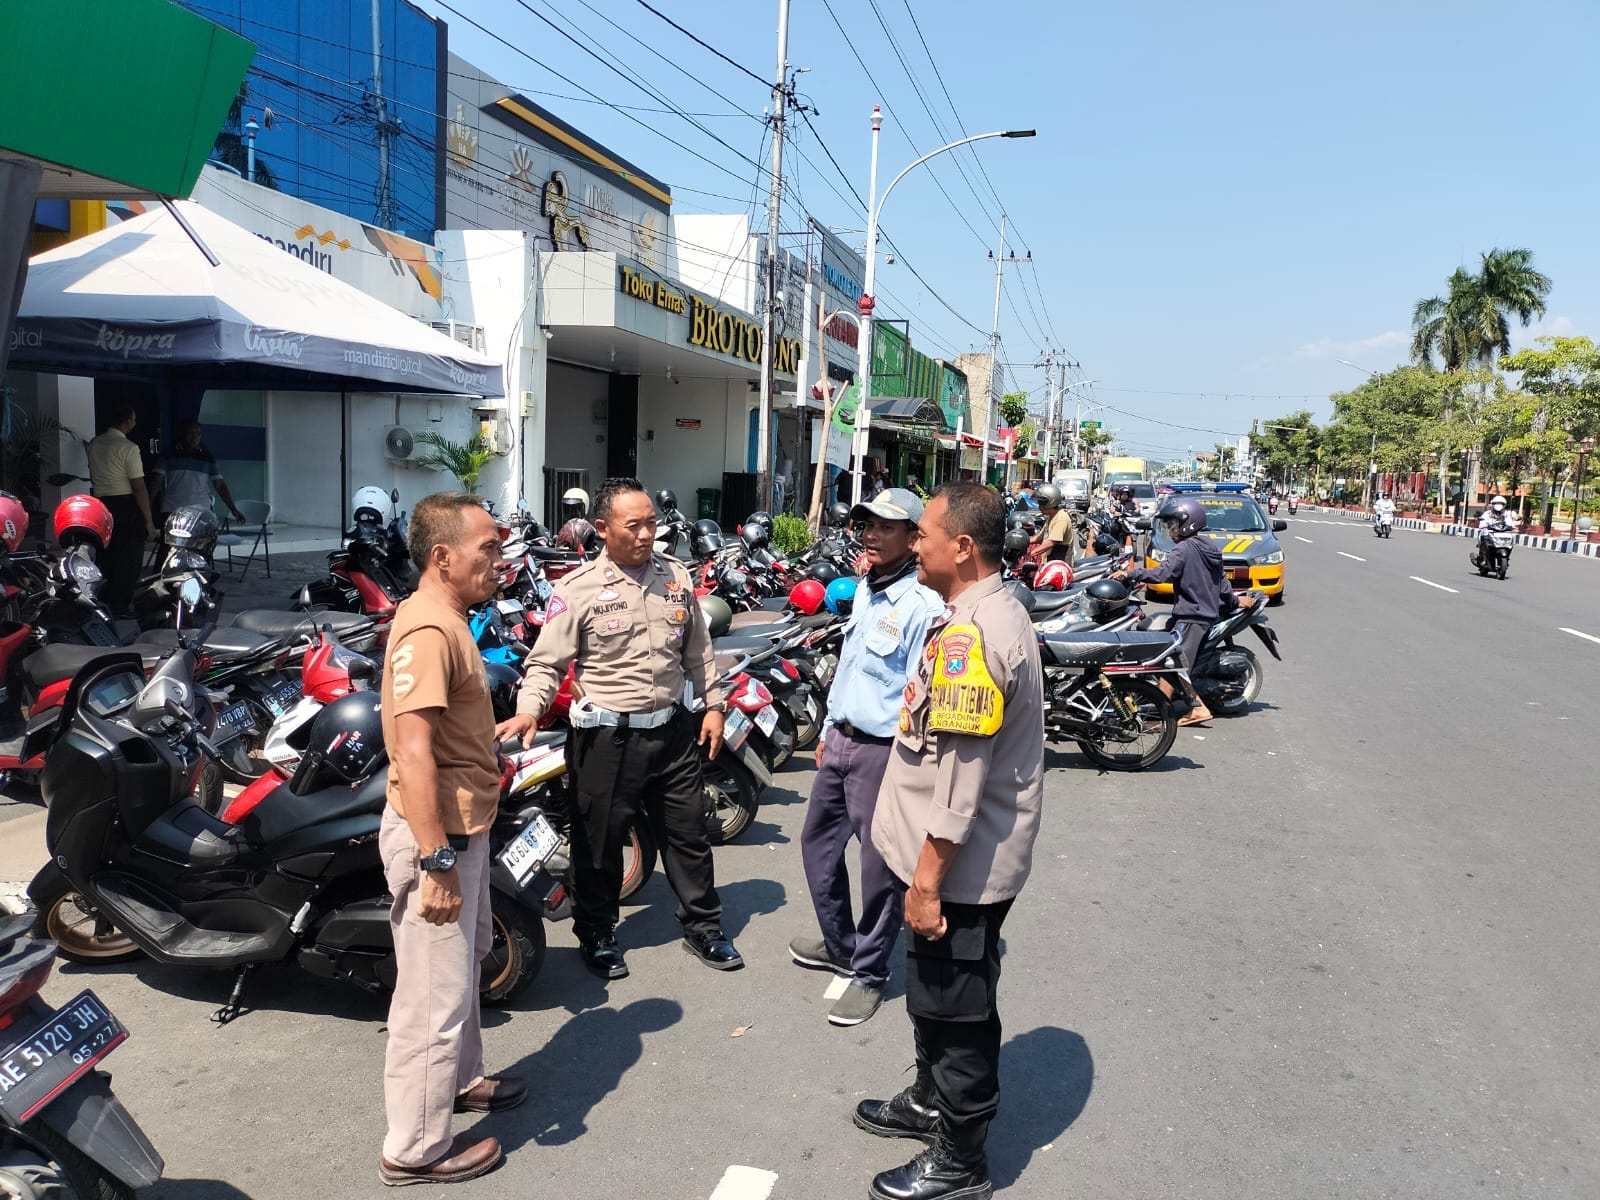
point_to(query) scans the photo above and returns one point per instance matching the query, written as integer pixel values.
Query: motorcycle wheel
(208, 789)
(1158, 730)
(517, 955)
(638, 859)
(1241, 703)
(68, 1174)
(1505, 565)
(732, 797)
(82, 934)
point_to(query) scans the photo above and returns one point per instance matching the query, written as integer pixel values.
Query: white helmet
(574, 504)
(1498, 503)
(370, 499)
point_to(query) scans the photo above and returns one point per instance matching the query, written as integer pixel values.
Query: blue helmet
(841, 595)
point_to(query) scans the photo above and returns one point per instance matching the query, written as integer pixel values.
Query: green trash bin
(709, 503)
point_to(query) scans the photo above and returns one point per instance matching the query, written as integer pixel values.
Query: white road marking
(1357, 557)
(1588, 637)
(1307, 541)
(1432, 584)
(837, 988)
(745, 1183)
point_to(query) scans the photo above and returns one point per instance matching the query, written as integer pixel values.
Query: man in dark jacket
(1200, 587)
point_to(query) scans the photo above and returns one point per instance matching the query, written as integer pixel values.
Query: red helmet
(807, 597)
(13, 520)
(83, 520)
(1053, 577)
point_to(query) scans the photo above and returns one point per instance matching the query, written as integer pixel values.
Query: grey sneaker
(813, 953)
(857, 1004)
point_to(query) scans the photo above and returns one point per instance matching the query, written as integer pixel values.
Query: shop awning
(909, 410)
(141, 299)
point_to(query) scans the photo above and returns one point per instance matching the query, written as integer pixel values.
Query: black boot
(953, 1168)
(911, 1114)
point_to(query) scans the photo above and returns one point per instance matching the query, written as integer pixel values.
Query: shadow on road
(197, 1189)
(581, 1064)
(275, 987)
(657, 924)
(1071, 760)
(1046, 1075)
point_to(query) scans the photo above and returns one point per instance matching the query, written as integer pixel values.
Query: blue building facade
(315, 73)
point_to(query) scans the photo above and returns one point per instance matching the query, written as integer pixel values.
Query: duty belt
(860, 735)
(587, 716)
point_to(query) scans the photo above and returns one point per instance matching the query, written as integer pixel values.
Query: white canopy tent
(214, 303)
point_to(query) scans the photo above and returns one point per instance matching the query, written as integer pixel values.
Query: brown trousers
(435, 1041)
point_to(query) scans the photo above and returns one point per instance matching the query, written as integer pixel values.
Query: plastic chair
(257, 513)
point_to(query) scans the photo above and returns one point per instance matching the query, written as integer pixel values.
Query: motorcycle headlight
(1268, 560)
(84, 573)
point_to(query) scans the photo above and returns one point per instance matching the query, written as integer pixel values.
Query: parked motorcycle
(63, 1134)
(1101, 691)
(1492, 554)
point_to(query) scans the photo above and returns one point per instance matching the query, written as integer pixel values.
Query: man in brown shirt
(956, 824)
(444, 788)
(631, 621)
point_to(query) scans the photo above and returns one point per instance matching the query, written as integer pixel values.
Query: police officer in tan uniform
(631, 621)
(956, 824)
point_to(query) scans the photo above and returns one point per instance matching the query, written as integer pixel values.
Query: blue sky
(1223, 200)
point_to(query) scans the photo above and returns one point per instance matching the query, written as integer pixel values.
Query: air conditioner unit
(399, 444)
(467, 335)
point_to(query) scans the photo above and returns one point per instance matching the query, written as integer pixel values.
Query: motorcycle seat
(58, 661)
(283, 814)
(760, 624)
(773, 604)
(754, 648)
(300, 626)
(1097, 649)
(1048, 604)
(224, 641)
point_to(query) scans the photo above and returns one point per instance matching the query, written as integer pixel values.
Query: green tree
(1013, 409)
(230, 145)
(463, 460)
(1560, 399)
(1286, 447)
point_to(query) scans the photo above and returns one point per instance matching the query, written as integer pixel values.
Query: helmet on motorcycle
(838, 513)
(1048, 495)
(807, 597)
(345, 744)
(823, 571)
(577, 534)
(706, 539)
(574, 503)
(1053, 576)
(1182, 517)
(1104, 599)
(760, 517)
(841, 595)
(755, 535)
(13, 520)
(666, 500)
(83, 521)
(1017, 520)
(369, 504)
(192, 528)
(718, 614)
(1016, 543)
(1021, 592)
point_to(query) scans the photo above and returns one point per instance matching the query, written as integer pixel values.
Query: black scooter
(134, 858)
(1228, 676)
(62, 1132)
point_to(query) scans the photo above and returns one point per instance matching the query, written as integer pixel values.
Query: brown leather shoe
(465, 1159)
(492, 1093)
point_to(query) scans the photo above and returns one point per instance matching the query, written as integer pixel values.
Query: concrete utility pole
(386, 216)
(1000, 261)
(780, 95)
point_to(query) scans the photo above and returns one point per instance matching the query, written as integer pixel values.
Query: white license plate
(767, 719)
(735, 729)
(531, 849)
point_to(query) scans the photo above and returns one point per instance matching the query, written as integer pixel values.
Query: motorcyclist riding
(1383, 510)
(1496, 517)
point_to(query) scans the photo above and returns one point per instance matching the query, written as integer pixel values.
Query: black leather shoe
(603, 956)
(909, 1115)
(941, 1172)
(714, 949)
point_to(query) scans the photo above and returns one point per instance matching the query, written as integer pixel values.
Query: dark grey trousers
(844, 796)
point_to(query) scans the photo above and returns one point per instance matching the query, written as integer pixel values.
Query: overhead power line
(705, 45)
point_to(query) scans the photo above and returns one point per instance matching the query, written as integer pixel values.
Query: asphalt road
(1342, 946)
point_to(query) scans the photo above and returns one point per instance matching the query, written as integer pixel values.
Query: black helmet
(1048, 495)
(1184, 516)
(1016, 521)
(1123, 491)
(707, 539)
(718, 614)
(666, 500)
(1017, 542)
(838, 513)
(755, 535)
(823, 571)
(345, 745)
(1104, 599)
(192, 528)
(760, 517)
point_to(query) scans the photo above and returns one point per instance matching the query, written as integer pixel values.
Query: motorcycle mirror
(394, 495)
(190, 592)
(1144, 524)
(1279, 525)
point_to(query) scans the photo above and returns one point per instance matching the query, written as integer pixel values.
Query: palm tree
(465, 462)
(1439, 325)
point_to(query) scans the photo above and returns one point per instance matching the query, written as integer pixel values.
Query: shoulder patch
(555, 608)
(962, 696)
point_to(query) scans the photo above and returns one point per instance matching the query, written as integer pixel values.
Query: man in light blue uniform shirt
(886, 631)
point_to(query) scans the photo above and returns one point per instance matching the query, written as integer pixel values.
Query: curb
(1534, 541)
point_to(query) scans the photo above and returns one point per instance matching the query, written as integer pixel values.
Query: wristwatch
(442, 859)
(721, 706)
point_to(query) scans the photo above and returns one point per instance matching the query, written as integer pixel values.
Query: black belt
(850, 731)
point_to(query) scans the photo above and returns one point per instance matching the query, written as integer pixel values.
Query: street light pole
(875, 205)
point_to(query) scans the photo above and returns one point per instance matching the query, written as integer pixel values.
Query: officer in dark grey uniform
(631, 622)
